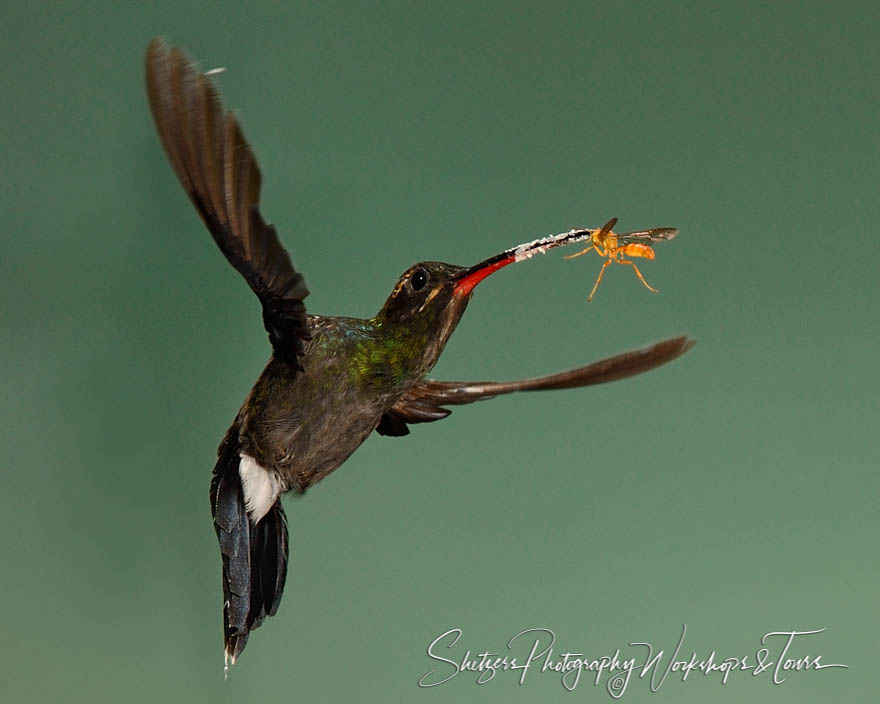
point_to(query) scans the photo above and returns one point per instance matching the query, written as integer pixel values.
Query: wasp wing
(656, 234)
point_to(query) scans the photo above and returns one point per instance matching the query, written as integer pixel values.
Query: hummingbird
(330, 381)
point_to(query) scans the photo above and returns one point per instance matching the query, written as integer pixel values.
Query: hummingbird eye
(418, 279)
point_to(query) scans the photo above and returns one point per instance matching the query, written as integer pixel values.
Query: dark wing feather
(425, 401)
(219, 172)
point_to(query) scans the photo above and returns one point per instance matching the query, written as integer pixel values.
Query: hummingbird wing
(219, 172)
(425, 401)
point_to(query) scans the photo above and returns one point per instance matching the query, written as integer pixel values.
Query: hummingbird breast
(301, 425)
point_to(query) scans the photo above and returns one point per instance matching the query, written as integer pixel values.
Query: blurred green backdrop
(734, 491)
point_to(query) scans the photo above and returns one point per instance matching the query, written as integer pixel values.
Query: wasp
(615, 247)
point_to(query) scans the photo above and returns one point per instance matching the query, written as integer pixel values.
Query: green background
(733, 491)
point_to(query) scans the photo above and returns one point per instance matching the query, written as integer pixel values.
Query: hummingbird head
(436, 292)
(430, 298)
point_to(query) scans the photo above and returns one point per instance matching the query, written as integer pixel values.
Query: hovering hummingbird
(331, 381)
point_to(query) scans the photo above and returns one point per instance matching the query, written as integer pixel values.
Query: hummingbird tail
(254, 555)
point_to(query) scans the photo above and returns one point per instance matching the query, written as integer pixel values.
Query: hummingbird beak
(465, 282)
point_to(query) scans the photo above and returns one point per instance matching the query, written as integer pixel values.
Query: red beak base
(476, 274)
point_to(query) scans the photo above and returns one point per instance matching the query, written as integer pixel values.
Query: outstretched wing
(425, 401)
(219, 172)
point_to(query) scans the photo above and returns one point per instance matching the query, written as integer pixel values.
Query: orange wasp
(615, 247)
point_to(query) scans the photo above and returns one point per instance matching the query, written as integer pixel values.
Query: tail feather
(254, 556)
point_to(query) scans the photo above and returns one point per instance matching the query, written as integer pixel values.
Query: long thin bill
(471, 277)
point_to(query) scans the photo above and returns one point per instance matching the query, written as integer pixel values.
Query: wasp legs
(611, 255)
(599, 280)
(616, 261)
(638, 273)
(583, 251)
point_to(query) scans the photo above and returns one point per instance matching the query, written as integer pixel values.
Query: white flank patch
(261, 488)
